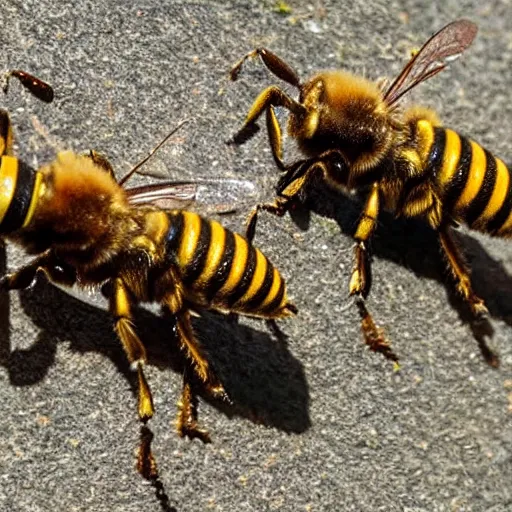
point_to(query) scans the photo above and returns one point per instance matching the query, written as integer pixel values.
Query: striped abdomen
(18, 193)
(222, 269)
(474, 186)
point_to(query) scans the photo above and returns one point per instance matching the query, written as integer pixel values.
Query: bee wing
(443, 47)
(206, 196)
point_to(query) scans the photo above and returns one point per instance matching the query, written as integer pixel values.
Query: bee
(87, 230)
(353, 133)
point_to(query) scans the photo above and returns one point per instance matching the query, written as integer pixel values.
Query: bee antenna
(127, 176)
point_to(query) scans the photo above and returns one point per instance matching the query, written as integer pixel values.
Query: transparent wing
(443, 47)
(206, 196)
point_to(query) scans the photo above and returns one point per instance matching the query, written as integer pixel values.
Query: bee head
(344, 112)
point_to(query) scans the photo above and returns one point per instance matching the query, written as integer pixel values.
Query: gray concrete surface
(319, 423)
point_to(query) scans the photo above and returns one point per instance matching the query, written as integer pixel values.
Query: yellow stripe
(8, 178)
(274, 289)
(157, 225)
(451, 157)
(498, 194)
(238, 265)
(36, 194)
(190, 237)
(475, 176)
(215, 252)
(425, 138)
(257, 278)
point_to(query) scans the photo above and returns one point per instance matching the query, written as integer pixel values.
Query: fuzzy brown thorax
(79, 206)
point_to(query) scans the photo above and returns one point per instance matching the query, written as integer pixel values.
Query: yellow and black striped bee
(85, 229)
(354, 133)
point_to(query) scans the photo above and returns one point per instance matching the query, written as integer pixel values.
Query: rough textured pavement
(319, 423)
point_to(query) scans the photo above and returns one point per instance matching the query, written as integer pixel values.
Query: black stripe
(245, 281)
(458, 181)
(494, 225)
(479, 203)
(5, 131)
(220, 275)
(175, 233)
(274, 304)
(436, 154)
(260, 296)
(23, 192)
(196, 265)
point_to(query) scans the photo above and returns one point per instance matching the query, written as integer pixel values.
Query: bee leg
(146, 463)
(135, 351)
(187, 415)
(271, 96)
(56, 271)
(35, 85)
(200, 364)
(361, 273)
(275, 138)
(290, 185)
(279, 207)
(288, 189)
(360, 282)
(460, 271)
(275, 64)
(136, 354)
(22, 278)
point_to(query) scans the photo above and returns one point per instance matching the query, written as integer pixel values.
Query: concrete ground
(319, 423)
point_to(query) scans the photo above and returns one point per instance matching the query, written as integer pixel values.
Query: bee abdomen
(473, 184)
(223, 268)
(18, 194)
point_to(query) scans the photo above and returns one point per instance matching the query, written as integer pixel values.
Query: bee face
(344, 112)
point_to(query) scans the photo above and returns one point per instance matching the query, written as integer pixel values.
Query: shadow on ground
(263, 379)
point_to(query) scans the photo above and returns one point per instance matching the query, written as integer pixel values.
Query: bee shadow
(412, 244)
(263, 379)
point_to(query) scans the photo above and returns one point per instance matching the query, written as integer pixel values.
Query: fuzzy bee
(85, 229)
(355, 134)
